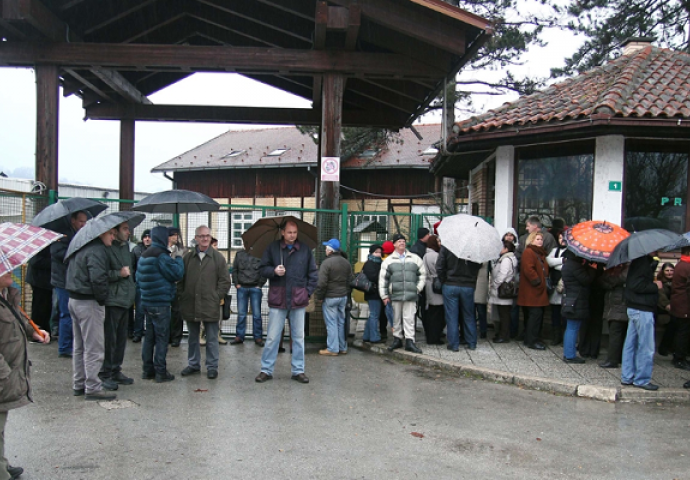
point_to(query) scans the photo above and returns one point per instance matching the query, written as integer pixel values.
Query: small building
(610, 144)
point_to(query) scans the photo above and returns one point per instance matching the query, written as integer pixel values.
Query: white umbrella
(470, 238)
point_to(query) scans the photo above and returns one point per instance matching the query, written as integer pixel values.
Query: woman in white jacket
(555, 261)
(505, 270)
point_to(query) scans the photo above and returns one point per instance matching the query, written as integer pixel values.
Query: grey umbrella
(98, 226)
(684, 242)
(177, 201)
(640, 244)
(54, 216)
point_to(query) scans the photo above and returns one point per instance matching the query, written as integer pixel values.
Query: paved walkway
(510, 361)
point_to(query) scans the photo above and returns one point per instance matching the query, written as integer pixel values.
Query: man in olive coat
(202, 291)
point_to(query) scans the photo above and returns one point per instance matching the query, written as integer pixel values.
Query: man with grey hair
(533, 224)
(202, 290)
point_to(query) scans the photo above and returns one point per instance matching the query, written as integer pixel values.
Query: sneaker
(166, 377)
(109, 384)
(100, 395)
(328, 353)
(189, 371)
(15, 472)
(122, 379)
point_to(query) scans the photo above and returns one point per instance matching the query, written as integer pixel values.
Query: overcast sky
(89, 150)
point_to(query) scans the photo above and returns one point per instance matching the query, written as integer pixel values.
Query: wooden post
(47, 91)
(331, 126)
(126, 163)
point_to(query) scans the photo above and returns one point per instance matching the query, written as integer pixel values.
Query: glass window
(656, 190)
(555, 186)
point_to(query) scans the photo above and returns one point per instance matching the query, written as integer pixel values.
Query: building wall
(249, 183)
(609, 163)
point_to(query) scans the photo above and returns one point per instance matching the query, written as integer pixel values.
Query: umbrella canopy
(96, 227)
(53, 216)
(470, 238)
(594, 240)
(177, 201)
(640, 244)
(19, 242)
(266, 230)
(682, 243)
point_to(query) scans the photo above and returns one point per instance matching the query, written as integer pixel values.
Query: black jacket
(419, 249)
(87, 273)
(641, 293)
(246, 271)
(58, 268)
(38, 274)
(453, 271)
(372, 270)
(137, 252)
(577, 279)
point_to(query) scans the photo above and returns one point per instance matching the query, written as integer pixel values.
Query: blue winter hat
(333, 243)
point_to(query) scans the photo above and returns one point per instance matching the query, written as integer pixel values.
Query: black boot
(397, 343)
(556, 336)
(411, 347)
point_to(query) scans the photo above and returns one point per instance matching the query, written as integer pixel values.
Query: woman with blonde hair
(532, 293)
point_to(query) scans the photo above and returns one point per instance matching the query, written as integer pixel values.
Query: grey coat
(481, 291)
(121, 290)
(87, 273)
(429, 262)
(504, 271)
(15, 387)
(402, 281)
(334, 278)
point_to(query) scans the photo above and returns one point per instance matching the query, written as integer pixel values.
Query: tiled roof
(252, 149)
(649, 83)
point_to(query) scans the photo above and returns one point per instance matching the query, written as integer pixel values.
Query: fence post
(343, 227)
(52, 196)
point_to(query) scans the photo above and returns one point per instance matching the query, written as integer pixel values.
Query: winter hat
(375, 247)
(147, 233)
(173, 231)
(398, 236)
(387, 247)
(436, 227)
(422, 232)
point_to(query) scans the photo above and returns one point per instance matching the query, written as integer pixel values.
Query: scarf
(685, 258)
(374, 258)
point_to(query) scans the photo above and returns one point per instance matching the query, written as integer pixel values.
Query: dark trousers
(535, 315)
(115, 336)
(155, 347)
(139, 320)
(383, 322)
(41, 307)
(617, 332)
(668, 339)
(176, 325)
(680, 351)
(590, 336)
(514, 321)
(435, 321)
(504, 316)
(556, 316)
(481, 317)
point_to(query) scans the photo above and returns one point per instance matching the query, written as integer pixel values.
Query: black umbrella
(98, 226)
(640, 244)
(177, 201)
(684, 242)
(53, 216)
(267, 230)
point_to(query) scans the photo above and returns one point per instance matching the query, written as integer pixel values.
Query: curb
(594, 392)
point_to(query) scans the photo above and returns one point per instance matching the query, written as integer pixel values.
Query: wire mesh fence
(356, 231)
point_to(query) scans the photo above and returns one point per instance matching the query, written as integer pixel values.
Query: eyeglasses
(203, 236)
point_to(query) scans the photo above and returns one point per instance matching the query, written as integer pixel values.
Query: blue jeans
(65, 322)
(389, 314)
(194, 348)
(334, 316)
(155, 347)
(371, 330)
(244, 296)
(570, 338)
(455, 300)
(276, 322)
(139, 317)
(638, 351)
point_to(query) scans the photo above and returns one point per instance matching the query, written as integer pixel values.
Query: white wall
(505, 183)
(609, 161)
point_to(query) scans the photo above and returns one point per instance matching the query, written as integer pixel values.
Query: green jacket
(204, 285)
(402, 281)
(121, 290)
(15, 389)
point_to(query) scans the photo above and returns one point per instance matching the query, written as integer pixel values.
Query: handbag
(437, 286)
(226, 307)
(361, 282)
(508, 289)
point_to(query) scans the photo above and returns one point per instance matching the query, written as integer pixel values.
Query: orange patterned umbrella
(594, 240)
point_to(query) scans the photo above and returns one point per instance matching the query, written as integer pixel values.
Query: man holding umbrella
(290, 267)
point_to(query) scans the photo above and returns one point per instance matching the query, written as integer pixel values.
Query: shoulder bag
(360, 282)
(508, 289)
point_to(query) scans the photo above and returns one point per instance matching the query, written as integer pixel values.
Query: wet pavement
(362, 416)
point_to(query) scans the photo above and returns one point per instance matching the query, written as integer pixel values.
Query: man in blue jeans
(157, 274)
(246, 276)
(290, 268)
(641, 296)
(334, 289)
(459, 279)
(58, 274)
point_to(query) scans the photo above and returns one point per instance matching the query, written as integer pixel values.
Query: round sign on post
(330, 169)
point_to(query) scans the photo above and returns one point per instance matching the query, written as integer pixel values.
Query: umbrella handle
(33, 325)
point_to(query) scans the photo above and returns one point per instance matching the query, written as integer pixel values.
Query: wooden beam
(126, 162)
(244, 115)
(331, 128)
(337, 18)
(320, 29)
(298, 8)
(430, 28)
(222, 59)
(118, 83)
(354, 21)
(88, 83)
(47, 105)
(115, 18)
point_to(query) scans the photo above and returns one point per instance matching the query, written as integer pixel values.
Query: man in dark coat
(680, 309)
(577, 278)
(38, 276)
(641, 296)
(137, 252)
(58, 272)
(246, 276)
(290, 267)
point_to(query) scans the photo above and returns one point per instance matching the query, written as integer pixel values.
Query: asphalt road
(362, 416)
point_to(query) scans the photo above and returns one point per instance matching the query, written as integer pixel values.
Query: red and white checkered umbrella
(19, 242)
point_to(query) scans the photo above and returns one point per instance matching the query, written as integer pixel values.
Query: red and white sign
(330, 169)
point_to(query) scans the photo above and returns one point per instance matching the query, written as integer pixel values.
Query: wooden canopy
(383, 61)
